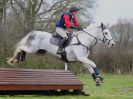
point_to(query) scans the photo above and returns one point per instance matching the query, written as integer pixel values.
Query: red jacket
(68, 23)
(65, 21)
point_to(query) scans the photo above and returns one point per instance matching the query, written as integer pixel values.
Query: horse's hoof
(98, 82)
(10, 63)
(15, 61)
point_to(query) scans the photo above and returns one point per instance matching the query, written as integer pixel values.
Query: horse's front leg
(91, 66)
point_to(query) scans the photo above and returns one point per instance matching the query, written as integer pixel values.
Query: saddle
(56, 38)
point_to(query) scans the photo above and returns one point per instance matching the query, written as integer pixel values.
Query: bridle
(104, 40)
(104, 37)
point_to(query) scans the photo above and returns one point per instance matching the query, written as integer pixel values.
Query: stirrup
(60, 51)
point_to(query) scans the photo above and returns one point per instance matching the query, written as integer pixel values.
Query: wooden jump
(38, 79)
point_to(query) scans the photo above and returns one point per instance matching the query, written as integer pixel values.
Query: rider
(64, 24)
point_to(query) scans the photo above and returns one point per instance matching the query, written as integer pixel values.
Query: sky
(109, 11)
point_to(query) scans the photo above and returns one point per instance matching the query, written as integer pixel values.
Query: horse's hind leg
(23, 55)
(14, 59)
(19, 55)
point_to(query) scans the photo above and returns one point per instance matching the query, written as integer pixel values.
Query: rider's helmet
(73, 9)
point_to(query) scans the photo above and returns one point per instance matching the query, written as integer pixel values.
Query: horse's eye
(106, 33)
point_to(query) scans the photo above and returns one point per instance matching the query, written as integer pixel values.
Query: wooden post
(66, 66)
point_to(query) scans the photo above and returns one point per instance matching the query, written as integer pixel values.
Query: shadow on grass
(44, 93)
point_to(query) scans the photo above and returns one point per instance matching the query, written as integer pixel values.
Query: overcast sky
(111, 10)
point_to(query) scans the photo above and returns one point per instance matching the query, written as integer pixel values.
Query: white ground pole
(66, 66)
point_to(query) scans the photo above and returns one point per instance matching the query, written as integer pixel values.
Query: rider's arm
(67, 21)
(75, 22)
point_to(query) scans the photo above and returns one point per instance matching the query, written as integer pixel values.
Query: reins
(96, 39)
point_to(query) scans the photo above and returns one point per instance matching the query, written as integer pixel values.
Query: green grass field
(114, 87)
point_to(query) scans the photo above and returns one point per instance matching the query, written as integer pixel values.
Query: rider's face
(74, 13)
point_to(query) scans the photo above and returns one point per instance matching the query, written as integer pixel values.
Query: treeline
(19, 17)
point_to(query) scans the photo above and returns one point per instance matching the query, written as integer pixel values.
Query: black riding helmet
(73, 9)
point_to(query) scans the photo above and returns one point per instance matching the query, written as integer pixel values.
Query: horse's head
(105, 35)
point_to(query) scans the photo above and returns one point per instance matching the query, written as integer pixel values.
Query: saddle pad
(55, 41)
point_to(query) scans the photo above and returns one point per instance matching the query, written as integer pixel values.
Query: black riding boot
(60, 49)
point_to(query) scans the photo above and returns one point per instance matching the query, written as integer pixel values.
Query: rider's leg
(62, 32)
(60, 49)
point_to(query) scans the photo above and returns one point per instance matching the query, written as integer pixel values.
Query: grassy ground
(114, 87)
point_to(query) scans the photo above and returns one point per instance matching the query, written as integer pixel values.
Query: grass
(114, 87)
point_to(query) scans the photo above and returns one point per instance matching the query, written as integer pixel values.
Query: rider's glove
(79, 28)
(73, 27)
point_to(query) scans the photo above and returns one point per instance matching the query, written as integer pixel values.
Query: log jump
(38, 80)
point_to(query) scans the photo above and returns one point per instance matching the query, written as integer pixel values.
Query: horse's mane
(91, 26)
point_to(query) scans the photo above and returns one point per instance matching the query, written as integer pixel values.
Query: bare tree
(123, 33)
(3, 8)
(26, 11)
(43, 14)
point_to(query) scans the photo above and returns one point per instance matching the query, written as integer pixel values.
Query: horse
(77, 50)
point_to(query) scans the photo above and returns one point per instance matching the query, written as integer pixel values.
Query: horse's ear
(102, 25)
(107, 25)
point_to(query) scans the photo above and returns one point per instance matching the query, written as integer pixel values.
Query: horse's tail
(24, 41)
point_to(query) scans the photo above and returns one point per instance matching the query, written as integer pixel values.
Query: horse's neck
(86, 39)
